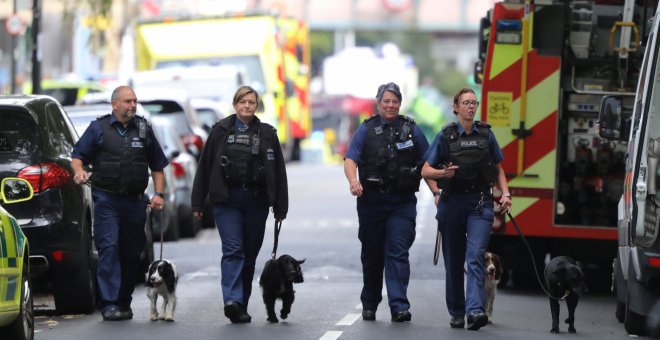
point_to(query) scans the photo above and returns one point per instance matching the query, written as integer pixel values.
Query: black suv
(36, 140)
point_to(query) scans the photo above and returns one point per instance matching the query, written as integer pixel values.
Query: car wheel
(23, 326)
(76, 293)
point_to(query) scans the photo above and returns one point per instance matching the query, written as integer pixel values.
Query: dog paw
(572, 330)
(169, 319)
(273, 319)
(284, 315)
(555, 330)
(154, 317)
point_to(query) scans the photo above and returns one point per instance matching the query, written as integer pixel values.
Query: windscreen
(18, 133)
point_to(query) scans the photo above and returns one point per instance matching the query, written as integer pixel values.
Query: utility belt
(245, 186)
(138, 197)
(385, 188)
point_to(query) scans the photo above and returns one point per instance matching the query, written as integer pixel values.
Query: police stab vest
(121, 164)
(243, 163)
(389, 158)
(476, 169)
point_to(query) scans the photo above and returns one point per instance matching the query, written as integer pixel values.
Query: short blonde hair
(242, 92)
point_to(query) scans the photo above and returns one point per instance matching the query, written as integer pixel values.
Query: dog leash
(276, 229)
(161, 233)
(436, 251)
(531, 254)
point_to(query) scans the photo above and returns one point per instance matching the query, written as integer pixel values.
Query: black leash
(531, 255)
(277, 228)
(162, 227)
(436, 251)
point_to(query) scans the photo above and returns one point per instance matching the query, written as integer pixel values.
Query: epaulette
(450, 131)
(480, 123)
(145, 120)
(406, 118)
(371, 118)
(103, 116)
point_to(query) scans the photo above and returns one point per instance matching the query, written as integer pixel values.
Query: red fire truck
(544, 67)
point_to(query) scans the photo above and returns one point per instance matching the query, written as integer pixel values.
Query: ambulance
(273, 52)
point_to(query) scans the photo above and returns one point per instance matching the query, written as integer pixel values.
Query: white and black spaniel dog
(161, 280)
(494, 271)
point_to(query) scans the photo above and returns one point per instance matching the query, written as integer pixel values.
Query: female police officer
(464, 158)
(242, 171)
(121, 147)
(388, 149)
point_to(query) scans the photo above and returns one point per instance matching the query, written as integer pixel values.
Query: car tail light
(195, 140)
(179, 170)
(654, 261)
(45, 176)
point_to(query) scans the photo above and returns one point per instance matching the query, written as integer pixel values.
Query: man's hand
(81, 177)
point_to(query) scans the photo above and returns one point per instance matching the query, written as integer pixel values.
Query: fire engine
(544, 67)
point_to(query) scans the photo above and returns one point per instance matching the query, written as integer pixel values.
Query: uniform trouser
(241, 223)
(465, 236)
(120, 239)
(387, 231)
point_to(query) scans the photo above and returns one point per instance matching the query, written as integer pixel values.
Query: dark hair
(391, 87)
(461, 92)
(242, 92)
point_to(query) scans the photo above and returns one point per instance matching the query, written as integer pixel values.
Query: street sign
(14, 25)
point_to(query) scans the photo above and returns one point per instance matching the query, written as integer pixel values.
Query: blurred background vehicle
(175, 105)
(211, 111)
(16, 311)
(81, 116)
(184, 167)
(37, 140)
(66, 92)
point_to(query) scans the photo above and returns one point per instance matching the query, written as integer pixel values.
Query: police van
(637, 265)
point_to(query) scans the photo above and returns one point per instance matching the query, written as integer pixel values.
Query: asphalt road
(322, 228)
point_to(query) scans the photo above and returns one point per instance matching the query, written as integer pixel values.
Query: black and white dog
(277, 281)
(161, 280)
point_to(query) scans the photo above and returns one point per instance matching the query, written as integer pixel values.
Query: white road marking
(348, 320)
(331, 335)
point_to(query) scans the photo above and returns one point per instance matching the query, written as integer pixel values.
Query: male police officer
(388, 149)
(121, 147)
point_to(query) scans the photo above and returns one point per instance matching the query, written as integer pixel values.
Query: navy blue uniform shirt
(439, 150)
(92, 139)
(357, 144)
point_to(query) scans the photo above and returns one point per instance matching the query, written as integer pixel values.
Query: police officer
(242, 171)
(121, 147)
(388, 150)
(465, 160)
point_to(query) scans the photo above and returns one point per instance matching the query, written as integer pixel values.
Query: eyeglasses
(469, 103)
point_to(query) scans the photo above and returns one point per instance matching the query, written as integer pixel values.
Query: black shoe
(234, 311)
(477, 320)
(112, 313)
(401, 316)
(368, 315)
(126, 314)
(457, 322)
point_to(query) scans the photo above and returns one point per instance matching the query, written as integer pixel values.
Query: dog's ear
(301, 261)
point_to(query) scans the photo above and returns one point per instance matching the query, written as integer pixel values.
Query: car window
(59, 135)
(17, 133)
(66, 96)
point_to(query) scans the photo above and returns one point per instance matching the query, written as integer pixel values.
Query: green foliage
(322, 46)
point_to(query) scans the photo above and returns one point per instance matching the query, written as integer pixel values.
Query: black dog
(565, 280)
(277, 281)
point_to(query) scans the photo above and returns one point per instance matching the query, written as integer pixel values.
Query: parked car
(209, 111)
(81, 116)
(37, 141)
(184, 167)
(175, 105)
(17, 308)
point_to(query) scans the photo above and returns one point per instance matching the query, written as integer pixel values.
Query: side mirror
(610, 118)
(16, 190)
